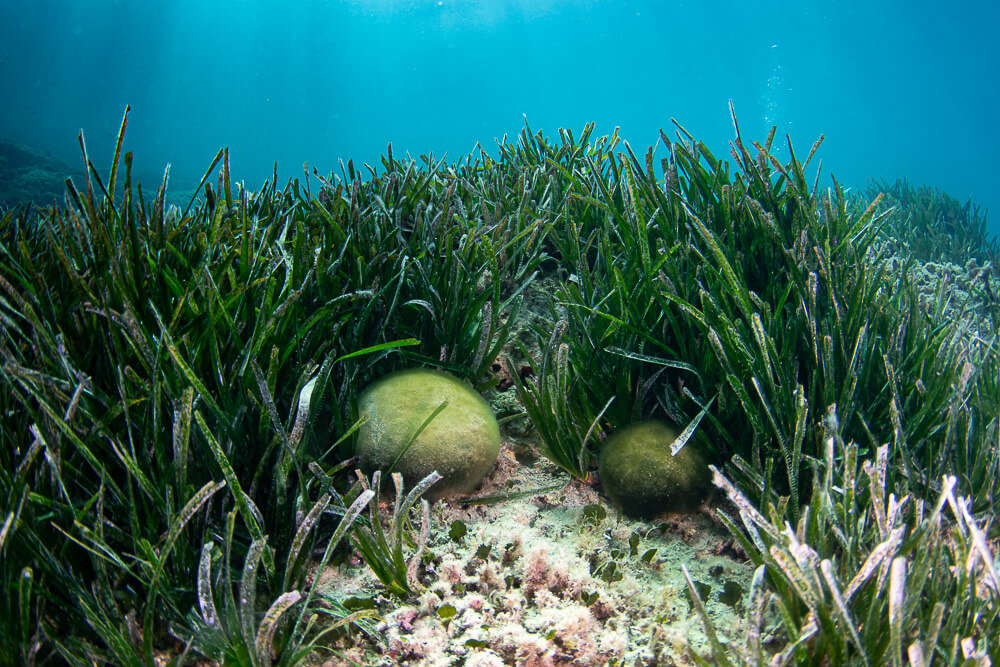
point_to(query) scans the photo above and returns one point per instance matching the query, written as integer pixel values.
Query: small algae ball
(461, 442)
(641, 476)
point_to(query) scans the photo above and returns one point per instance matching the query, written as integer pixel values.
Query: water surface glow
(898, 88)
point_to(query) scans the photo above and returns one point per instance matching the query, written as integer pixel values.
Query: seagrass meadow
(178, 401)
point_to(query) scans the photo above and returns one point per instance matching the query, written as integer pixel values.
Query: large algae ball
(641, 476)
(461, 442)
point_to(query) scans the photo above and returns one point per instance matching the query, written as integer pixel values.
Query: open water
(899, 88)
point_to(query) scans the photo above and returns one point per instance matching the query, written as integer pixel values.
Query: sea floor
(556, 579)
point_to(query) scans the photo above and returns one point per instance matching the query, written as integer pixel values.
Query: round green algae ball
(461, 442)
(641, 476)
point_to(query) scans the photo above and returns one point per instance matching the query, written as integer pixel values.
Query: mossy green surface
(461, 442)
(641, 476)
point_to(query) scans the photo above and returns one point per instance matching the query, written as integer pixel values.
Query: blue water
(899, 88)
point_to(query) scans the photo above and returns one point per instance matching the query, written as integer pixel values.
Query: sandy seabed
(556, 579)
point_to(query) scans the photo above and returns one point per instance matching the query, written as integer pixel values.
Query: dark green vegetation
(179, 389)
(178, 384)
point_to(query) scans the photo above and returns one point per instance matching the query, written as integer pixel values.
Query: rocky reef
(28, 175)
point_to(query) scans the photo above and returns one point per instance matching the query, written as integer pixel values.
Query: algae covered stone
(641, 476)
(461, 442)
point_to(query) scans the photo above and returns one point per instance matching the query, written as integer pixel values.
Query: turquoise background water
(898, 88)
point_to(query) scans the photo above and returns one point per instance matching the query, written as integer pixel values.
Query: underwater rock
(461, 442)
(641, 477)
(28, 175)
